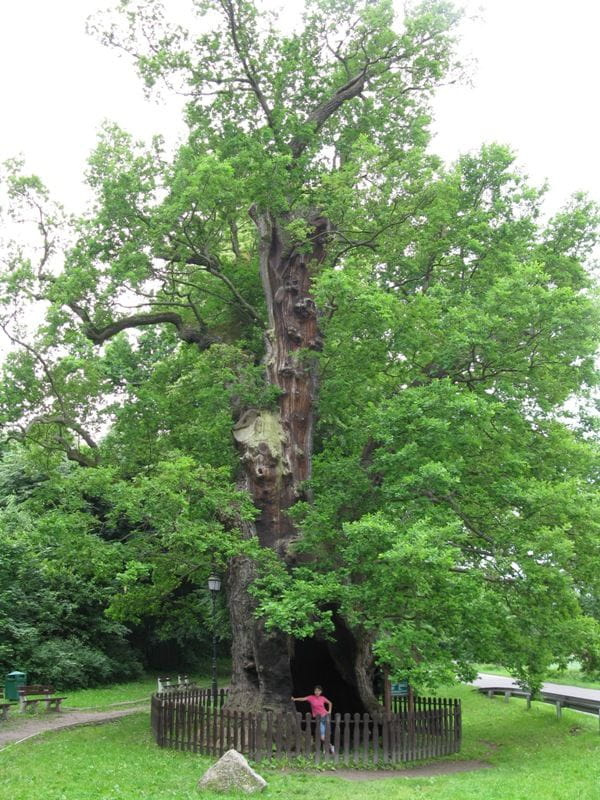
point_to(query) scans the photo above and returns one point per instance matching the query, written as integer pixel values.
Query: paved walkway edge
(40, 726)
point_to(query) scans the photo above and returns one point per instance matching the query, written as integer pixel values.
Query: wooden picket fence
(423, 727)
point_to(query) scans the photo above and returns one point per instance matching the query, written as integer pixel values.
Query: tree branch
(193, 335)
(319, 116)
(212, 267)
(45, 366)
(71, 452)
(229, 10)
(371, 68)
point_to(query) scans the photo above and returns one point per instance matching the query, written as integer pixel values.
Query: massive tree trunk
(276, 449)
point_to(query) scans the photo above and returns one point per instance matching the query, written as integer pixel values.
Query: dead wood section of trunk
(275, 447)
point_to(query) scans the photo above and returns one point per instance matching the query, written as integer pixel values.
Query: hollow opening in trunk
(312, 664)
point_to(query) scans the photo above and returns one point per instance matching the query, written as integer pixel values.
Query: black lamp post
(214, 586)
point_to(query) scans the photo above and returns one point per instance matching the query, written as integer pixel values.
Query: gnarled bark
(275, 448)
(261, 677)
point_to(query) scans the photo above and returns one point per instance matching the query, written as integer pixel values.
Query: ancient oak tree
(303, 306)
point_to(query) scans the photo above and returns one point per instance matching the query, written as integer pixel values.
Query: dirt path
(17, 728)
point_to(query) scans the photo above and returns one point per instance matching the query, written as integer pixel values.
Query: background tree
(85, 598)
(390, 342)
(55, 583)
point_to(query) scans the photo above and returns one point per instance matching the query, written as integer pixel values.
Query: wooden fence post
(385, 737)
(280, 724)
(298, 732)
(327, 740)
(412, 725)
(356, 742)
(269, 735)
(215, 730)
(252, 735)
(347, 725)
(457, 725)
(336, 737)
(366, 731)
(376, 720)
(387, 691)
(317, 740)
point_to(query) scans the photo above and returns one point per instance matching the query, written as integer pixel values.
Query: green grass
(107, 696)
(102, 697)
(567, 677)
(533, 754)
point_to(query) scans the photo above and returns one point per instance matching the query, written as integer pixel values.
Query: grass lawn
(107, 696)
(533, 754)
(568, 677)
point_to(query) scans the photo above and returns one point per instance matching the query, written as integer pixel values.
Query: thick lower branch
(188, 333)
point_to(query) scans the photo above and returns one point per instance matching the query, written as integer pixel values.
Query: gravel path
(18, 728)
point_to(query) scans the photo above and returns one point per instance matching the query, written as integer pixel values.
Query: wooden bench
(4, 710)
(43, 693)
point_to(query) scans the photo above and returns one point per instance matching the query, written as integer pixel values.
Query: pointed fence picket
(194, 719)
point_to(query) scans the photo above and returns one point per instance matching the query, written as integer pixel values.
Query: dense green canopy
(452, 510)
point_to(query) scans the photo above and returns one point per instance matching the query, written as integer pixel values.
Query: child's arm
(299, 699)
(330, 709)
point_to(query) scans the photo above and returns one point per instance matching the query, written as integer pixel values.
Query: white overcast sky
(536, 88)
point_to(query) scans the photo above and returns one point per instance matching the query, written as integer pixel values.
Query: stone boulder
(232, 772)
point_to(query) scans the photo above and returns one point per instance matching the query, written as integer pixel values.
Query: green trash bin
(12, 683)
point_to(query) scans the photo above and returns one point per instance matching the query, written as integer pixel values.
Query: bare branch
(187, 333)
(235, 242)
(243, 303)
(319, 116)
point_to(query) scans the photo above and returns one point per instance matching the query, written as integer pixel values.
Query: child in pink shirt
(320, 706)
